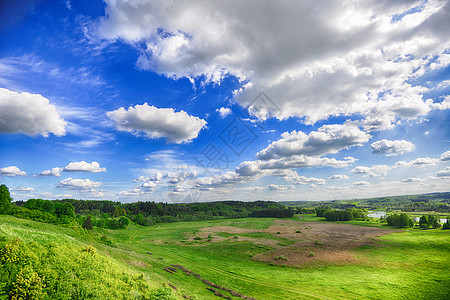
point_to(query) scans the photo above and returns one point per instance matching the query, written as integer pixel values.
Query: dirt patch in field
(314, 243)
(136, 263)
(228, 229)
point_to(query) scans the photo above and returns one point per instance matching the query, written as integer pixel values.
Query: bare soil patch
(316, 243)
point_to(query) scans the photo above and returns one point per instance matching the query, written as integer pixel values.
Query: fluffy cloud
(361, 183)
(83, 166)
(53, 172)
(327, 139)
(78, 184)
(276, 187)
(364, 53)
(223, 112)
(445, 156)
(411, 179)
(12, 171)
(444, 173)
(177, 127)
(292, 177)
(23, 189)
(418, 162)
(31, 114)
(392, 147)
(338, 177)
(374, 171)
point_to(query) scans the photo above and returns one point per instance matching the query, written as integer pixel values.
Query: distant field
(273, 259)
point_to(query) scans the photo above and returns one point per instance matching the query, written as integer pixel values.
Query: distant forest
(115, 215)
(437, 202)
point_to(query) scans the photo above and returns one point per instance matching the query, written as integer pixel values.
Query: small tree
(87, 224)
(433, 221)
(423, 222)
(447, 224)
(5, 200)
(123, 222)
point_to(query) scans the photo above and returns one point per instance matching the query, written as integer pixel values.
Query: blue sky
(185, 101)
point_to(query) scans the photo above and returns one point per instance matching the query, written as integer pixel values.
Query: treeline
(438, 202)
(116, 215)
(151, 213)
(45, 211)
(340, 215)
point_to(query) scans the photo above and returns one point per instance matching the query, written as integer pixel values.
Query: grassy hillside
(43, 261)
(260, 258)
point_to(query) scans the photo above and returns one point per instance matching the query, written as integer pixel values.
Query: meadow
(261, 258)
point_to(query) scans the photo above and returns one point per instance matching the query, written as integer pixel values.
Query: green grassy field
(407, 264)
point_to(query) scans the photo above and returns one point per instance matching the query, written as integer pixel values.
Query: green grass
(412, 264)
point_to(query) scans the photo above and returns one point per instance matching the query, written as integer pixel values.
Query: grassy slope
(413, 264)
(58, 256)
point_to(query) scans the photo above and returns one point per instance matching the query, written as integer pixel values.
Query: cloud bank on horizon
(205, 100)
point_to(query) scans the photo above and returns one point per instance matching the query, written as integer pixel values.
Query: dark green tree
(87, 224)
(433, 221)
(423, 222)
(5, 200)
(447, 224)
(123, 222)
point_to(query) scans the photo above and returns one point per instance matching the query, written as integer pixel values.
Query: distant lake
(377, 214)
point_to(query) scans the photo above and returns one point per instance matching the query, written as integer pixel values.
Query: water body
(377, 214)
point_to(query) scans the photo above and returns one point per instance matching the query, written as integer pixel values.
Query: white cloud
(374, 171)
(177, 127)
(327, 139)
(79, 184)
(12, 171)
(443, 173)
(338, 177)
(391, 148)
(53, 172)
(83, 166)
(365, 60)
(276, 187)
(411, 179)
(361, 183)
(418, 162)
(31, 114)
(223, 112)
(445, 156)
(23, 189)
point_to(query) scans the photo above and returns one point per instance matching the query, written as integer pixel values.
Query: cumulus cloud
(12, 171)
(418, 162)
(293, 177)
(361, 183)
(53, 172)
(327, 139)
(78, 184)
(223, 112)
(444, 173)
(23, 189)
(83, 166)
(276, 187)
(177, 127)
(411, 179)
(365, 58)
(445, 156)
(390, 148)
(338, 177)
(31, 114)
(373, 171)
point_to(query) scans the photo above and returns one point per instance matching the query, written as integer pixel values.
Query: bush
(311, 254)
(87, 224)
(399, 221)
